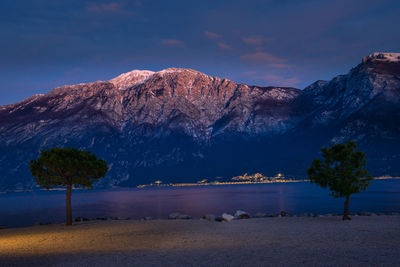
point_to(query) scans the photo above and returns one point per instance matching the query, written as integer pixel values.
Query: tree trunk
(346, 209)
(69, 213)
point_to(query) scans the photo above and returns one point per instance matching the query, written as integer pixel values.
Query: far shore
(184, 185)
(304, 241)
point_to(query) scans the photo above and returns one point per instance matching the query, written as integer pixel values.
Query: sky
(47, 43)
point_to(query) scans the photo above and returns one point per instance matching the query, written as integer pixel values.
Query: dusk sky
(47, 43)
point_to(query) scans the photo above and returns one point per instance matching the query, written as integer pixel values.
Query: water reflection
(22, 209)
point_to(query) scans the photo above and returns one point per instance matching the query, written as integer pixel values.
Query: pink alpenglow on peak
(131, 78)
(177, 122)
(179, 70)
(137, 77)
(378, 56)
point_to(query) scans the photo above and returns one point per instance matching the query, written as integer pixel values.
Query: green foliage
(342, 170)
(67, 166)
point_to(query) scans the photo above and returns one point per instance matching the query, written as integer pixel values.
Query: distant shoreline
(216, 183)
(181, 185)
(220, 183)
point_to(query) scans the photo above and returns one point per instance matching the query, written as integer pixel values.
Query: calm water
(24, 209)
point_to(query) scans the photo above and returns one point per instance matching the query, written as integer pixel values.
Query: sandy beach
(305, 241)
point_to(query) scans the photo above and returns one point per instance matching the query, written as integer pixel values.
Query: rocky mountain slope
(182, 125)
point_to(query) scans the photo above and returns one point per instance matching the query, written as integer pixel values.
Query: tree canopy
(342, 171)
(67, 167)
(63, 166)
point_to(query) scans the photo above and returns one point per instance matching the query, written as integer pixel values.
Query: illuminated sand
(254, 242)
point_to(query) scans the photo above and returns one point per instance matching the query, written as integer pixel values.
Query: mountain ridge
(184, 124)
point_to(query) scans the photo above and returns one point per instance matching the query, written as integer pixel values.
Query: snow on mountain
(379, 56)
(137, 77)
(180, 70)
(149, 124)
(131, 78)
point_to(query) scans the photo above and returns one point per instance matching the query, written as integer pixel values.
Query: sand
(304, 241)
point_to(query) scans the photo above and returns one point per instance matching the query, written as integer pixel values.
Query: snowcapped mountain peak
(178, 122)
(136, 77)
(131, 78)
(170, 70)
(178, 70)
(379, 56)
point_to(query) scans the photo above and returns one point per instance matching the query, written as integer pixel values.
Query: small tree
(342, 171)
(67, 167)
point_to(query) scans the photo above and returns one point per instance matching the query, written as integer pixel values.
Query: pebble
(240, 214)
(284, 214)
(219, 219)
(209, 217)
(227, 217)
(184, 217)
(364, 213)
(174, 216)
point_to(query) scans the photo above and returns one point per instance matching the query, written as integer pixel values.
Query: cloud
(281, 65)
(212, 35)
(273, 79)
(173, 43)
(256, 40)
(224, 46)
(218, 38)
(109, 7)
(262, 57)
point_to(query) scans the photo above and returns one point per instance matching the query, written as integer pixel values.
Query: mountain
(364, 106)
(183, 125)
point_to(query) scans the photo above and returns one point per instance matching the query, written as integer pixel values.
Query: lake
(24, 209)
